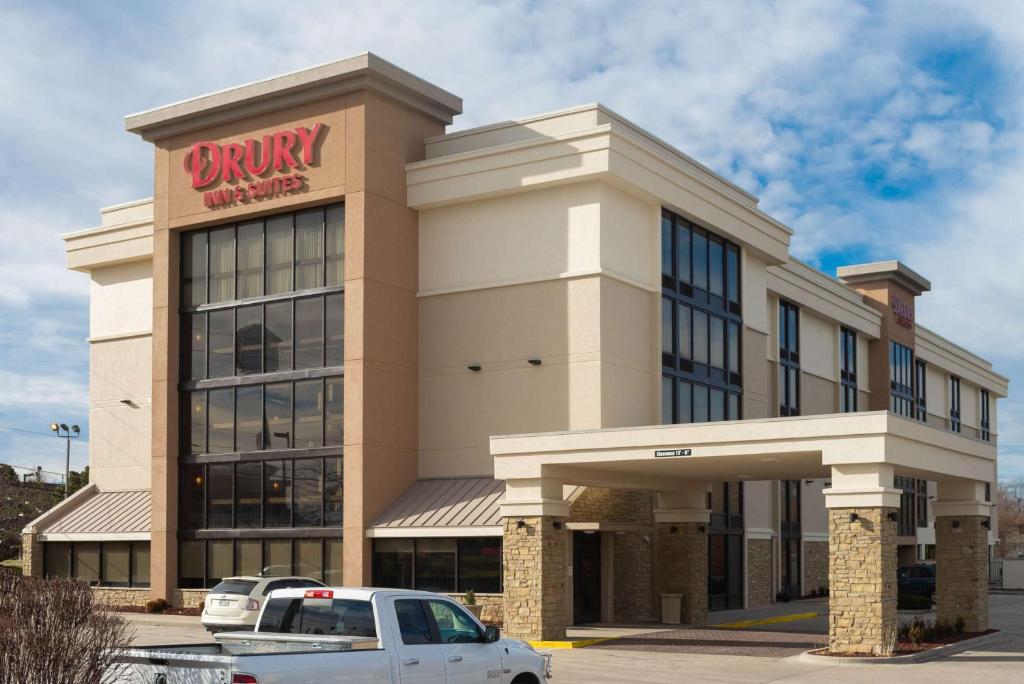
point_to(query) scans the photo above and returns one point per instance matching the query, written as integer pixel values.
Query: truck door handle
(454, 659)
(411, 661)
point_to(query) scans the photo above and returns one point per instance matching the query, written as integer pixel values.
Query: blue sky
(875, 130)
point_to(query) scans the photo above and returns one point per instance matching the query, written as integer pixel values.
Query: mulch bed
(170, 611)
(906, 648)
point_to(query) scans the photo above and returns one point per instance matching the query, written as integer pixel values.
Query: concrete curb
(577, 643)
(742, 624)
(809, 658)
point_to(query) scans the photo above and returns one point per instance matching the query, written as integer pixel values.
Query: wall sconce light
(701, 529)
(534, 361)
(128, 402)
(520, 524)
(475, 367)
(557, 524)
(987, 523)
(854, 517)
(956, 524)
(892, 516)
(673, 529)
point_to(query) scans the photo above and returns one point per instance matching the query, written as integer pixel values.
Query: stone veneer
(862, 581)
(31, 556)
(815, 566)
(681, 567)
(121, 596)
(534, 559)
(961, 571)
(493, 607)
(188, 598)
(759, 572)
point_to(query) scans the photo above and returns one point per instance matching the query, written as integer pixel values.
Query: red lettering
(197, 163)
(298, 178)
(308, 138)
(286, 184)
(230, 168)
(252, 148)
(240, 193)
(284, 141)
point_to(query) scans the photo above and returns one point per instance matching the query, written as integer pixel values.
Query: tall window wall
(701, 323)
(262, 387)
(725, 546)
(921, 391)
(901, 379)
(847, 370)
(105, 564)
(789, 359)
(986, 419)
(954, 403)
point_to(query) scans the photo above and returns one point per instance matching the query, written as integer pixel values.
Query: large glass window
(700, 324)
(921, 391)
(109, 564)
(443, 565)
(901, 379)
(204, 562)
(789, 359)
(847, 370)
(954, 403)
(986, 420)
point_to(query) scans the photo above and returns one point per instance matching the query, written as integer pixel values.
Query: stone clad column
(862, 504)
(681, 550)
(961, 553)
(535, 559)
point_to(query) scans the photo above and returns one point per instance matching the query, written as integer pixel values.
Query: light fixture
(892, 516)
(854, 517)
(956, 524)
(986, 523)
(475, 367)
(199, 480)
(701, 529)
(520, 524)
(557, 524)
(54, 427)
(673, 529)
(126, 402)
(534, 361)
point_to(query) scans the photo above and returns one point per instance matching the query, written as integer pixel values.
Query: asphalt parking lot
(760, 654)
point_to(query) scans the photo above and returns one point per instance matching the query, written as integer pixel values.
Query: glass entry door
(586, 578)
(725, 547)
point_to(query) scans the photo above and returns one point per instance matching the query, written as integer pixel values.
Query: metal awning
(100, 516)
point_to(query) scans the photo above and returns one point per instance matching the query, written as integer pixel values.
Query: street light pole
(62, 427)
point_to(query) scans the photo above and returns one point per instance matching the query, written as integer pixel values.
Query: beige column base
(961, 570)
(535, 551)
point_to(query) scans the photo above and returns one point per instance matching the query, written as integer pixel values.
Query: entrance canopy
(860, 452)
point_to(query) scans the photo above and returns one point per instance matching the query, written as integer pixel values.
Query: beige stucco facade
(503, 290)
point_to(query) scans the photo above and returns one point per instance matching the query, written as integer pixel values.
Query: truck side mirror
(492, 634)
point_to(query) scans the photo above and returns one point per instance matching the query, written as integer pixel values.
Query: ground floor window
(202, 563)
(442, 565)
(108, 564)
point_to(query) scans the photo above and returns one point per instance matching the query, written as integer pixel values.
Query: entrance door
(791, 538)
(586, 578)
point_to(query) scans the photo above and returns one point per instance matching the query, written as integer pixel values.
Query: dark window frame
(207, 581)
(954, 403)
(789, 359)
(457, 566)
(921, 390)
(71, 569)
(901, 379)
(847, 370)
(986, 415)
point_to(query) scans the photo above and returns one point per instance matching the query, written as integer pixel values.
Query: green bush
(157, 606)
(913, 602)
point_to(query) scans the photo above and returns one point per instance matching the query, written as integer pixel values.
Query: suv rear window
(240, 587)
(335, 617)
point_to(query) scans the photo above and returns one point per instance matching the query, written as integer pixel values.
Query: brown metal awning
(102, 516)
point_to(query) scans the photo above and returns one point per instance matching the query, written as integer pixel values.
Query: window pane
(249, 339)
(277, 557)
(308, 492)
(435, 564)
(700, 337)
(684, 403)
(335, 245)
(734, 348)
(392, 563)
(57, 559)
(192, 490)
(793, 388)
(335, 330)
(683, 251)
(279, 254)
(191, 562)
(193, 276)
(332, 562)
(222, 421)
(717, 355)
(335, 411)
(140, 564)
(219, 558)
(333, 491)
(278, 414)
(309, 249)
(793, 334)
(277, 493)
(219, 494)
(734, 406)
(116, 563)
(716, 266)
(309, 411)
(309, 333)
(666, 400)
(783, 397)
(249, 419)
(412, 622)
(683, 321)
(197, 422)
(700, 260)
(667, 327)
(278, 342)
(733, 273)
(309, 558)
(222, 344)
(247, 494)
(666, 246)
(701, 410)
(196, 332)
(222, 264)
(247, 557)
(87, 561)
(717, 405)
(480, 565)
(250, 259)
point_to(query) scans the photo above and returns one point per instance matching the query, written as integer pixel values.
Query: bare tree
(54, 632)
(1010, 509)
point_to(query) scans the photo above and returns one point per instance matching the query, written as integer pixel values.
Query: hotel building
(553, 360)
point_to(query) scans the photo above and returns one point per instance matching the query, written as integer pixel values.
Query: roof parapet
(885, 270)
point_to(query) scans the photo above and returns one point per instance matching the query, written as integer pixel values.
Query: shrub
(470, 597)
(917, 633)
(157, 606)
(54, 632)
(959, 625)
(913, 602)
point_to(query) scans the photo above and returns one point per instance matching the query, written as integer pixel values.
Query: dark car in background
(916, 580)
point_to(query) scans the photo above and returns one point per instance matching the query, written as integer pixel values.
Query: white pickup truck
(344, 635)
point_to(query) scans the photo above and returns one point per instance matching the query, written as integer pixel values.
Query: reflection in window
(278, 415)
(250, 259)
(334, 330)
(222, 264)
(195, 332)
(193, 268)
(309, 249)
(249, 340)
(335, 220)
(309, 333)
(277, 355)
(334, 418)
(222, 343)
(219, 495)
(221, 429)
(308, 481)
(789, 359)
(333, 491)
(249, 410)
(309, 406)
(247, 494)
(277, 493)
(279, 254)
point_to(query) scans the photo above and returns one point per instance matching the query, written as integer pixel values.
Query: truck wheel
(525, 678)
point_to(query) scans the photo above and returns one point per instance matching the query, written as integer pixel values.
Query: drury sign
(254, 161)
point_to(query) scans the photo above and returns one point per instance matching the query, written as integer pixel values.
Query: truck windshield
(338, 617)
(241, 587)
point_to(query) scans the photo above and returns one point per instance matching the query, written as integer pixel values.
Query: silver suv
(235, 602)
